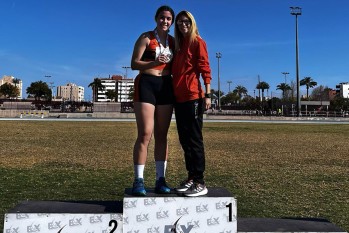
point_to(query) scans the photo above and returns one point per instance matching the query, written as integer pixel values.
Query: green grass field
(274, 170)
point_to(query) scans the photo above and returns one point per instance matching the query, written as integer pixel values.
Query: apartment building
(71, 92)
(121, 86)
(14, 81)
(343, 90)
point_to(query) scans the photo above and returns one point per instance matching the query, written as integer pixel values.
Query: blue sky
(78, 40)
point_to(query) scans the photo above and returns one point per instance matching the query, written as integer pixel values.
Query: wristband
(208, 95)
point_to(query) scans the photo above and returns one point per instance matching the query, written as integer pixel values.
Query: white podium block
(213, 213)
(64, 217)
(77, 223)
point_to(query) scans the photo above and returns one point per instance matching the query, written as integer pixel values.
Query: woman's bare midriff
(156, 72)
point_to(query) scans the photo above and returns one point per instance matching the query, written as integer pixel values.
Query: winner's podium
(155, 213)
(213, 213)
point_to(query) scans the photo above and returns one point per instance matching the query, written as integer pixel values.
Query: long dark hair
(165, 8)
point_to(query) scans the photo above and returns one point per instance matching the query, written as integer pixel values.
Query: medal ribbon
(159, 41)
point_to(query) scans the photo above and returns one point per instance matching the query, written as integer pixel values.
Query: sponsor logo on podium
(12, 230)
(54, 225)
(33, 228)
(182, 211)
(75, 222)
(149, 201)
(22, 216)
(142, 217)
(96, 219)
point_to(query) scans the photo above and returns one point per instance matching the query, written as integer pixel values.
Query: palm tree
(16, 81)
(283, 87)
(131, 94)
(111, 94)
(309, 83)
(240, 91)
(262, 86)
(96, 86)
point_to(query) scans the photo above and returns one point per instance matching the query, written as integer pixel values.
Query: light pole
(285, 73)
(297, 11)
(126, 68)
(229, 82)
(218, 56)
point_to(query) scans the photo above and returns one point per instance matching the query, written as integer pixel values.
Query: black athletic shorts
(156, 90)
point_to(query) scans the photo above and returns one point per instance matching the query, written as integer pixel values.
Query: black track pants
(189, 119)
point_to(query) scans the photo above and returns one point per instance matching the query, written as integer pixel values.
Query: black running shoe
(185, 185)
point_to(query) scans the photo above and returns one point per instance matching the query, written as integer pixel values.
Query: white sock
(139, 170)
(160, 169)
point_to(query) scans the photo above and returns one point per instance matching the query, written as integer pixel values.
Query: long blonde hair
(194, 31)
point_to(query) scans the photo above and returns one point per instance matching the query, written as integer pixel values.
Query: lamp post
(297, 11)
(218, 56)
(126, 68)
(285, 73)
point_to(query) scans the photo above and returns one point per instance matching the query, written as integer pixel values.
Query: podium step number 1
(214, 213)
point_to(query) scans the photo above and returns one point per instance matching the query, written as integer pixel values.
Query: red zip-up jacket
(188, 63)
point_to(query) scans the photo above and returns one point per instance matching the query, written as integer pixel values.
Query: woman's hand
(163, 58)
(207, 103)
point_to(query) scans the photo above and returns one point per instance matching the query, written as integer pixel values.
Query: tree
(240, 91)
(320, 93)
(262, 86)
(230, 98)
(16, 81)
(283, 87)
(249, 102)
(131, 94)
(96, 86)
(8, 90)
(340, 104)
(39, 90)
(309, 83)
(111, 95)
(215, 93)
(293, 90)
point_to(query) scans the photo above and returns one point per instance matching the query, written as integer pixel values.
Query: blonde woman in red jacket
(190, 62)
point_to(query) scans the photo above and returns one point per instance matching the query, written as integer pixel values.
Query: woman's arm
(139, 48)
